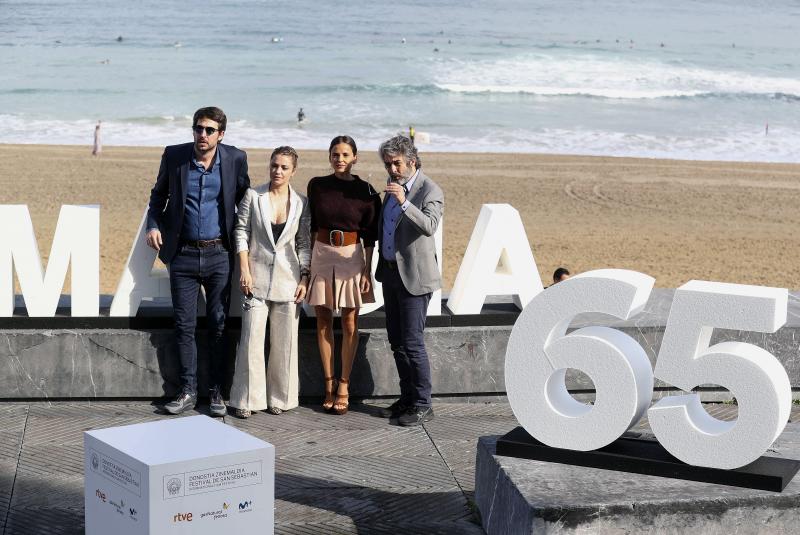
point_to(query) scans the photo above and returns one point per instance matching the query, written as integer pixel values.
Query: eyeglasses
(209, 130)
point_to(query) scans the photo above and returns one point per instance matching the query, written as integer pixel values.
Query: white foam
(737, 143)
(600, 76)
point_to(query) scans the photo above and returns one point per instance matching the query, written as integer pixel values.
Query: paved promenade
(353, 474)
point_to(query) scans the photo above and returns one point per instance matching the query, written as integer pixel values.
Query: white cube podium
(184, 475)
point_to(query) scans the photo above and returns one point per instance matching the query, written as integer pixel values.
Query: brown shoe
(342, 402)
(328, 403)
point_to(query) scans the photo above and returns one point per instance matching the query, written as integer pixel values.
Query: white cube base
(184, 475)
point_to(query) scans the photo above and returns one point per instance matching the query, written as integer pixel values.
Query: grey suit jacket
(413, 238)
(274, 265)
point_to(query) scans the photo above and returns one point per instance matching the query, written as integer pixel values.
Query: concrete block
(519, 496)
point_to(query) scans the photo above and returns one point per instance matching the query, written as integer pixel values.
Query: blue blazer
(168, 196)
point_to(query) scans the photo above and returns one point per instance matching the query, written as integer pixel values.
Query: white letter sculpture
(539, 353)
(498, 261)
(753, 375)
(139, 280)
(76, 243)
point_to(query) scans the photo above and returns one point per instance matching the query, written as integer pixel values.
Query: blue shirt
(391, 213)
(202, 216)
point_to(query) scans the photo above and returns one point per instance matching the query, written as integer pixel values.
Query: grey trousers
(279, 388)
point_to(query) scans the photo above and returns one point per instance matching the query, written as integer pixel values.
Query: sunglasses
(209, 130)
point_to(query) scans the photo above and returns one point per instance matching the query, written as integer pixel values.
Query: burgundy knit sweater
(352, 206)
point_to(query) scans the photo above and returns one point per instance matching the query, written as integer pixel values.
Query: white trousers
(251, 389)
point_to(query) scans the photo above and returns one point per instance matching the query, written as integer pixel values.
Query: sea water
(689, 79)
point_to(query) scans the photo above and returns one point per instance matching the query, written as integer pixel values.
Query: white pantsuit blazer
(274, 265)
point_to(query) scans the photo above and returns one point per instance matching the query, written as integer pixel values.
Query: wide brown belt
(337, 238)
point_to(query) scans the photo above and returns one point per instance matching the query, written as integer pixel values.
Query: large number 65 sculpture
(539, 353)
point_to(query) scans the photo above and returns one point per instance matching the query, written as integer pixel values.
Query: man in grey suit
(408, 270)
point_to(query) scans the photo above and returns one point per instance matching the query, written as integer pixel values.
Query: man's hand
(154, 239)
(366, 282)
(393, 188)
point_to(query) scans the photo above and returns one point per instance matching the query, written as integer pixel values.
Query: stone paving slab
(348, 527)
(462, 427)
(12, 427)
(386, 442)
(419, 472)
(64, 423)
(355, 474)
(352, 474)
(460, 458)
(7, 474)
(365, 506)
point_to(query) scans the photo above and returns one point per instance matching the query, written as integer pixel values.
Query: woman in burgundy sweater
(345, 212)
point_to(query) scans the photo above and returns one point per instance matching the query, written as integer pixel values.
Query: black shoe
(184, 402)
(394, 410)
(216, 405)
(415, 416)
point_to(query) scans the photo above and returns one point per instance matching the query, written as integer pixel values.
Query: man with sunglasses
(190, 223)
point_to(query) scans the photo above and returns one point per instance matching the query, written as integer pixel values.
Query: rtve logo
(182, 517)
(101, 495)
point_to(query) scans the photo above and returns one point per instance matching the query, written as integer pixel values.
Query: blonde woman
(273, 244)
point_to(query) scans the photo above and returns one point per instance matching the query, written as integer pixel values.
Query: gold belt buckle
(333, 233)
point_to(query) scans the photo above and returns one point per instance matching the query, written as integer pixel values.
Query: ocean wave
(568, 91)
(57, 91)
(612, 93)
(370, 88)
(734, 144)
(604, 76)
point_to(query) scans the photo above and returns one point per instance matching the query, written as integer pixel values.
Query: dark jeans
(191, 268)
(405, 323)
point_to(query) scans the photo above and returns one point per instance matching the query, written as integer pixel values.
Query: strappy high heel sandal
(329, 393)
(342, 402)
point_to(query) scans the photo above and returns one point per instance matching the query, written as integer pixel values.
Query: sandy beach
(674, 220)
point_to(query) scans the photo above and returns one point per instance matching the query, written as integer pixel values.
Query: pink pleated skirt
(336, 277)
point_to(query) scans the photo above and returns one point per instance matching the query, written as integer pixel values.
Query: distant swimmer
(97, 148)
(177, 44)
(403, 40)
(119, 39)
(301, 116)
